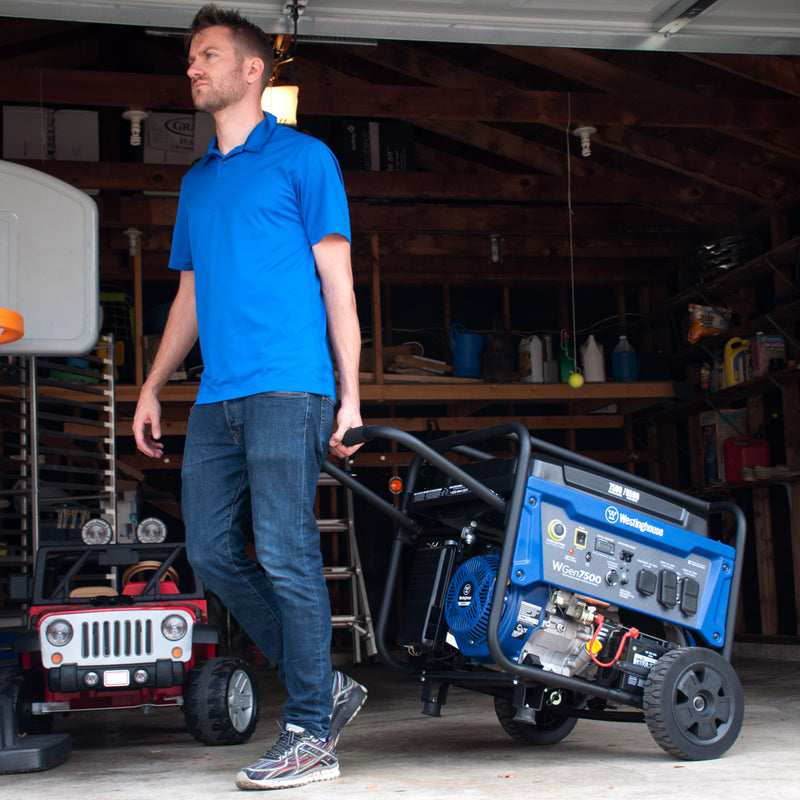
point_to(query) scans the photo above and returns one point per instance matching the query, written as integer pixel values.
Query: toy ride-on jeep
(564, 588)
(122, 626)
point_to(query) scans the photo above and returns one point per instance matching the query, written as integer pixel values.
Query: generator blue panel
(619, 555)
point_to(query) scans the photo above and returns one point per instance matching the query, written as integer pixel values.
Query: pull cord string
(571, 242)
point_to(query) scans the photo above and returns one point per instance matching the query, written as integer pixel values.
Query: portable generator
(563, 587)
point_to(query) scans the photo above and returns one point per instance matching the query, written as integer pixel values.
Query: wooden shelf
(741, 277)
(421, 393)
(741, 391)
(780, 315)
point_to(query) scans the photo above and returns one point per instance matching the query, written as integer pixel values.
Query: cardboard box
(76, 135)
(176, 138)
(28, 132)
(764, 347)
(715, 428)
(376, 146)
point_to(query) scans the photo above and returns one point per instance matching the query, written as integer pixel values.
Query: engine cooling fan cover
(467, 606)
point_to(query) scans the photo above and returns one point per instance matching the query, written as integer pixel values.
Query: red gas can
(744, 451)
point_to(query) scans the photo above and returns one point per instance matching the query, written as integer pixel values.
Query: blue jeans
(253, 464)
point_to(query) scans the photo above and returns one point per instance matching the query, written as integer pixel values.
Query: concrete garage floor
(392, 751)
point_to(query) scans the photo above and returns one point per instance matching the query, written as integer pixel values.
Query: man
(261, 241)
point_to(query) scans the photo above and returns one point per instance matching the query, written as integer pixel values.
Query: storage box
(376, 146)
(176, 138)
(76, 135)
(28, 132)
(715, 428)
(764, 347)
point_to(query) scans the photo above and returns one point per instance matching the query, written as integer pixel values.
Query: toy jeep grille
(117, 638)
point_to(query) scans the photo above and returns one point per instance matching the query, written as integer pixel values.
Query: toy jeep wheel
(221, 701)
(24, 687)
(549, 728)
(693, 703)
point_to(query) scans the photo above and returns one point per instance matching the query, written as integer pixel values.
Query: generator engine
(546, 626)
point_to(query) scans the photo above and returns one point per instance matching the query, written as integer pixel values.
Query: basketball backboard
(48, 262)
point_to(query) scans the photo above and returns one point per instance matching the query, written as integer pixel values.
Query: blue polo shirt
(246, 223)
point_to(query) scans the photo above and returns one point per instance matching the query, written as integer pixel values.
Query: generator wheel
(549, 728)
(24, 687)
(693, 703)
(220, 703)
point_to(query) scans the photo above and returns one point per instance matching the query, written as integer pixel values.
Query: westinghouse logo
(617, 517)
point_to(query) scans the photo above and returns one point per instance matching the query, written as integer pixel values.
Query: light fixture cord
(571, 243)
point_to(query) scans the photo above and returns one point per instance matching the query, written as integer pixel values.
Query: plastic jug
(467, 349)
(531, 360)
(624, 362)
(734, 361)
(594, 365)
(549, 364)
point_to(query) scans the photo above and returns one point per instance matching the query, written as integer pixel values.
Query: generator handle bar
(367, 433)
(740, 534)
(362, 491)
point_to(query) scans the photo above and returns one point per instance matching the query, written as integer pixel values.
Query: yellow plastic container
(734, 361)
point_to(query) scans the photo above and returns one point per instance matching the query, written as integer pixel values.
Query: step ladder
(349, 603)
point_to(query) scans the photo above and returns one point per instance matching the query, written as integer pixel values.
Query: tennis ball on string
(575, 380)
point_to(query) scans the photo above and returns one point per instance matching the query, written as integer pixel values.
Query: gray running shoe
(348, 697)
(297, 758)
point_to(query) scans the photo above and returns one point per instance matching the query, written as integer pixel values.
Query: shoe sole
(244, 782)
(349, 711)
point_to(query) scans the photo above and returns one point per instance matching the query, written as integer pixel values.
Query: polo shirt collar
(257, 138)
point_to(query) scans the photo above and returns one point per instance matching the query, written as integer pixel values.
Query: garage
(575, 252)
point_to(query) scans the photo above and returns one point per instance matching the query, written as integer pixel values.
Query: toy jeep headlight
(174, 627)
(96, 532)
(151, 531)
(58, 633)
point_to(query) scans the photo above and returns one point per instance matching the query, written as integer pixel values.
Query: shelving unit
(15, 485)
(768, 541)
(73, 449)
(58, 461)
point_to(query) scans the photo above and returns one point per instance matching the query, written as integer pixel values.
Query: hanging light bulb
(495, 249)
(135, 116)
(584, 133)
(282, 102)
(281, 99)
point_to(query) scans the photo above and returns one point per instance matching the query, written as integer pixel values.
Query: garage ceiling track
(697, 133)
(734, 26)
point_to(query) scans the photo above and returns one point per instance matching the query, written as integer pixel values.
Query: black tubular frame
(409, 528)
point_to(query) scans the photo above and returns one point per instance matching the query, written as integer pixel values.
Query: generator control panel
(619, 554)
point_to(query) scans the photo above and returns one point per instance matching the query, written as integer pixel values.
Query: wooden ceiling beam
(778, 73)
(120, 89)
(494, 187)
(423, 270)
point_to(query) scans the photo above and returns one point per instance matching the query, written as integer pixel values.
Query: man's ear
(255, 70)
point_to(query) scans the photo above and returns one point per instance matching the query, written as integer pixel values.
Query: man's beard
(229, 89)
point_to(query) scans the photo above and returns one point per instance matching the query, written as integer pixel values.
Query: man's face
(215, 70)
